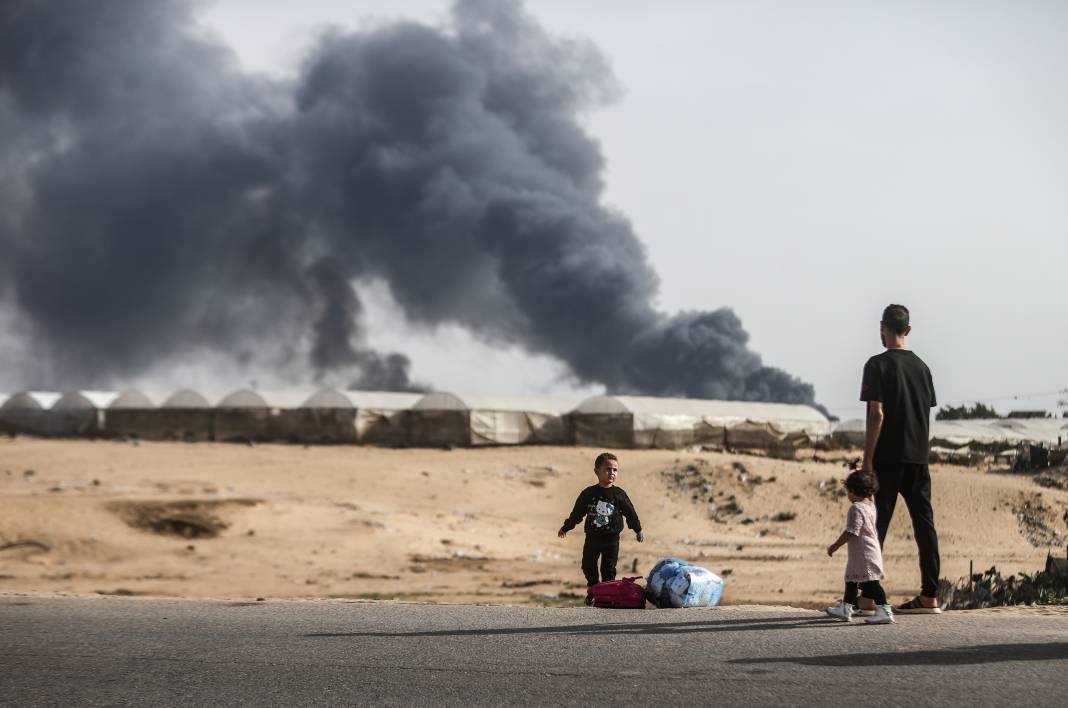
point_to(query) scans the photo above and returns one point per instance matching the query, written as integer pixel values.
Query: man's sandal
(916, 607)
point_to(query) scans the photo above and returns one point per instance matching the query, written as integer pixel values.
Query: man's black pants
(913, 483)
(607, 549)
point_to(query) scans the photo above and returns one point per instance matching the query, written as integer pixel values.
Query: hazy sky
(805, 163)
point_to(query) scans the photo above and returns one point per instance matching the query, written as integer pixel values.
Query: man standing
(898, 389)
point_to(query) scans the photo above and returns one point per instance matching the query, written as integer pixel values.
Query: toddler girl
(864, 569)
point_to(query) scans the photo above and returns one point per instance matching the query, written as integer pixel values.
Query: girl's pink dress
(865, 557)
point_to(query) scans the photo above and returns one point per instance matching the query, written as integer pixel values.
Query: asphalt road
(112, 651)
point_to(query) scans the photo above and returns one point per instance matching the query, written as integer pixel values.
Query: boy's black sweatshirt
(604, 509)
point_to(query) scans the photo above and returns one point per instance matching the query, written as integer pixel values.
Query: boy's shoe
(884, 614)
(589, 600)
(842, 611)
(859, 611)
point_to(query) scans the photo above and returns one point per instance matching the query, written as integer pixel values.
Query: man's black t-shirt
(901, 380)
(604, 509)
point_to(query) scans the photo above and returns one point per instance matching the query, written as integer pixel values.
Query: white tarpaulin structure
(326, 416)
(850, 432)
(241, 416)
(1009, 431)
(336, 416)
(184, 415)
(644, 421)
(132, 414)
(449, 419)
(984, 431)
(79, 413)
(27, 412)
(382, 417)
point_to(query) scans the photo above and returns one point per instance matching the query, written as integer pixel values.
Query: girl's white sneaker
(884, 614)
(842, 611)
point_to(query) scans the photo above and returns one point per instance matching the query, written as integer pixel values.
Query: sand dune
(217, 520)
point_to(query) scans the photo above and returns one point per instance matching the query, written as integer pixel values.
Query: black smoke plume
(161, 202)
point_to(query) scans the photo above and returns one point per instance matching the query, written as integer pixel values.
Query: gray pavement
(62, 651)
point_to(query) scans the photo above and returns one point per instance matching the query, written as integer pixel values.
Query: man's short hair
(602, 458)
(896, 318)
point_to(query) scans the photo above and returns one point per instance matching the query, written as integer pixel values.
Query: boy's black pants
(913, 482)
(606, 548)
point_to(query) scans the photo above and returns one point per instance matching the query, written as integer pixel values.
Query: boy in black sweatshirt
(605, 506)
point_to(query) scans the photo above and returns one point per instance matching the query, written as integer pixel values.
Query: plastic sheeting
(449, 419)
(80, 413)
(647, 422)
(676, 583)
(27, 413)
(960, 433)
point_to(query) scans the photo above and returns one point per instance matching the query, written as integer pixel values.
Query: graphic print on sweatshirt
(603, 514)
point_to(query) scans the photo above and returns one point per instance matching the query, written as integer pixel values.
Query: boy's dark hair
(896, 318)
(862, 484)
(601, 459)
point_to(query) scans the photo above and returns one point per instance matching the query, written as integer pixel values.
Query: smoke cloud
(159, 202)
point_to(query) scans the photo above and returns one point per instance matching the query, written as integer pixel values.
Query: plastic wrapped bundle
(676, 583)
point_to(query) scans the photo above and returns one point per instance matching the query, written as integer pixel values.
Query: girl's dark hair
(862, 484)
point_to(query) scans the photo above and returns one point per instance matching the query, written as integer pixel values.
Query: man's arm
(871, 432)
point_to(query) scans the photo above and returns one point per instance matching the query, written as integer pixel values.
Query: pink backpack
(623, 594)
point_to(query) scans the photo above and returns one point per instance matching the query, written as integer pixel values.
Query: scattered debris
(457, 561)
(1054, 478)
(530, 583)
(1037, 522)
(830, 488)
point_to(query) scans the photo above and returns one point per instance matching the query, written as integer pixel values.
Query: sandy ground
(462, 525)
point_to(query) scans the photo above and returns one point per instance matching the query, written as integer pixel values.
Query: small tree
(979, 410)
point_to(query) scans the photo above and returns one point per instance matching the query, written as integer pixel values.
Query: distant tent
(448, 419)
(185, 415)
(439, 419)
(186, 399)
(326, 416)
(850, 432)
(243, 415)
(132, 415)
(26, 412)
(383, 417)
(520, 420)
(647, 422)
(999, 431)
(79, 413)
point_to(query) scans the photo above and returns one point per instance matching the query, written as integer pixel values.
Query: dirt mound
(188, 518)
